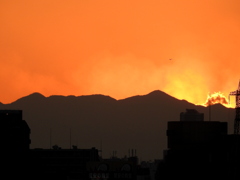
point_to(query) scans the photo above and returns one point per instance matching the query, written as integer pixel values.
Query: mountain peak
(36, 94)
(156, 92)
(31, 97)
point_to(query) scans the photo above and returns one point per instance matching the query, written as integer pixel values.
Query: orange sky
(119, 48)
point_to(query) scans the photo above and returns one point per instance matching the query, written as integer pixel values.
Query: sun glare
(217, 98)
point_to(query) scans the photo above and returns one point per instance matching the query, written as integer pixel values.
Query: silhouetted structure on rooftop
(191, 115)
(113, 168)
(62, 164)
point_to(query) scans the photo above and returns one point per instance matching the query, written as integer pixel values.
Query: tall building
(195, 147)
(15, 144)
(15, 132)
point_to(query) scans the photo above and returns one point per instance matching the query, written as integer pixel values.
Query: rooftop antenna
(70, 138)
(50, 137)
(101, 149)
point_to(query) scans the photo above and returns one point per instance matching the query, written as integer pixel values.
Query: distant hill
(138, 122)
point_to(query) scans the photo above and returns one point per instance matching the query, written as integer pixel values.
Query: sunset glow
(217, 98)
(119, 48)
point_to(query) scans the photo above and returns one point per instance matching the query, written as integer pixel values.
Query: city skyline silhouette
(201, 146)
(138, 121)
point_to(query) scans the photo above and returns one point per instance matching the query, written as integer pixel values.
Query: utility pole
(237, 109)
(236, 129)
(210, 104)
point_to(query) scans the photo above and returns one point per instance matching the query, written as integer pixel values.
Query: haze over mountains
(138, 122)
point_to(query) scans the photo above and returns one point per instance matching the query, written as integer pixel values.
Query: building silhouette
(15, 142)
(199, 149)
(62, 164)
(196, 149)
(19, 161)
(15, 132)
(114, 168)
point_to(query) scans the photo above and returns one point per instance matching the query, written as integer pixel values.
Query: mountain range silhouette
(138, 122)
